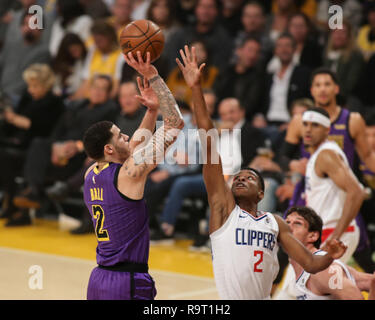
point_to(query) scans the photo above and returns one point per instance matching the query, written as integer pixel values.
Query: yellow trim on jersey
(96, 170)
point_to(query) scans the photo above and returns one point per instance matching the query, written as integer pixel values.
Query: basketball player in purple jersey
(114, 186)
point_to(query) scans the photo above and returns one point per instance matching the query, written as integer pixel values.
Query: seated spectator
(176, 163)
(206, 28)
(343, 58)
(287, 84)
(185, 11)
(308, 51)
(37, 114)
(236, 147)
(96, 9)
(163, 13)
(131, 111)
(71, 18)
(18, 55)
(176, 81)
(103, 58)
(243, 79)
(366, 35)
(68, 65)
(231, 11)
(140, 9)
(308, 7)
(253, 26)
(277, 21)
(61, 155)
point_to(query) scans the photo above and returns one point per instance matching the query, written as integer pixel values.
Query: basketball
(144, 36)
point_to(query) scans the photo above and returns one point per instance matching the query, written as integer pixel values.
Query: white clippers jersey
(305, 294)
(244, 255)
(322, 194)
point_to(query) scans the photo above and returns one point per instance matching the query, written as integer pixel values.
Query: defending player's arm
(357, 128)
(220, 198)
(146, 157)
(333, 281)
(330, 164)
(298, 252)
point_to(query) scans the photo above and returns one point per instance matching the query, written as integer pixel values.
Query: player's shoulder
(356, 122)
(90, 169)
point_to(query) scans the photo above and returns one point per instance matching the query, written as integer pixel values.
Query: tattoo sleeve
(168, 106)
(146, 157)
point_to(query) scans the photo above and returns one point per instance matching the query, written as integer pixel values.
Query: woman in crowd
(36, 115)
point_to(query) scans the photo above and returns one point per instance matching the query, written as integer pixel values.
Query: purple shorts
(120, 285)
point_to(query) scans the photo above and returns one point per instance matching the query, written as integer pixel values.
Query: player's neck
(332, 108)
(249, 207)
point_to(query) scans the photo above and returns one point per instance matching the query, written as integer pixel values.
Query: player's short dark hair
(319, 110)
(96, 137)
(260, 178)
(323, 70)
(314, 221)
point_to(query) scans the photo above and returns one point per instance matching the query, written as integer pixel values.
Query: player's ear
(313, 236)
(108, 149)
(260, 195)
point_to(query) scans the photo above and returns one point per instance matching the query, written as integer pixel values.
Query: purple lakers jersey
(121, 224)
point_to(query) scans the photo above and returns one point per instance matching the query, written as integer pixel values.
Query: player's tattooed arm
(168, 106)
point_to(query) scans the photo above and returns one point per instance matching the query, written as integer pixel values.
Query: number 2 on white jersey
(256, 264)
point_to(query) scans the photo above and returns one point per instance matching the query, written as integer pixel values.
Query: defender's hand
(189, 68)
(335, 248)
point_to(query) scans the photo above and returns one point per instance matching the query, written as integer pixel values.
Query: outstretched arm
(299, 253)
(220, 197)
(147, 154)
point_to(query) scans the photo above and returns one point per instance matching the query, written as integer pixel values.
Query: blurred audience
(105, 57)
(343, 58)
(68, 65)
(19, 54)
(176, 81)
(37, 114)
(71, 18)
(61, 154)
(244, 78)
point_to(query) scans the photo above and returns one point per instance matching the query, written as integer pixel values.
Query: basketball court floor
(63, 262)
(44, 262)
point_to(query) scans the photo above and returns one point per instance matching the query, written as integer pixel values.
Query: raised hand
(148, 96)
(335, 248)
(189, 68)
(145, 68)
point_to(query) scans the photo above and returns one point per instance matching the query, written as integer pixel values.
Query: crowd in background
(57, 80)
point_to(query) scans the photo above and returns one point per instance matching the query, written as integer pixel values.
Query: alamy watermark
(335, 21)
(36, 278)
(36, 19)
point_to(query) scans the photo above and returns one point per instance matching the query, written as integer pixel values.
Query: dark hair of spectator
(104, 77)
(104, 28)
(260, 178)
(68, 10)
(171, 4)
(63, 61)
(323, 70)
(288, 36)
(256, 3)
(96, 137)
(315, 222)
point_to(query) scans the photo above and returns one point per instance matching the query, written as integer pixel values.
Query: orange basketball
(144, 36)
